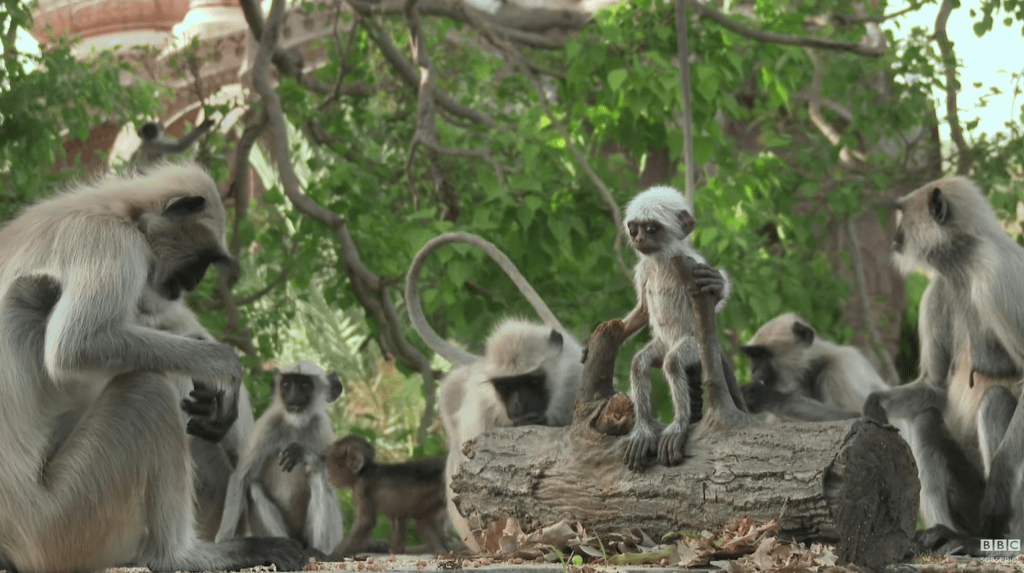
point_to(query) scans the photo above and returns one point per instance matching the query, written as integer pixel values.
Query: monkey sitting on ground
(413, 489)
(795, 374)
(961, 416)
(529, 373)
(155, 145)
(213, 461)
(659, 222)
(282, 503)
(96, 469)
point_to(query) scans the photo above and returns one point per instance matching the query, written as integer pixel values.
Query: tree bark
(853, 483)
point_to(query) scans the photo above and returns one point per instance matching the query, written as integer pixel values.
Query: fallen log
(853, 483)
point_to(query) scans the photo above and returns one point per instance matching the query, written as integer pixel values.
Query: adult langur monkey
(797, 375)
(961, 416)
(96, 469)
(529, 373)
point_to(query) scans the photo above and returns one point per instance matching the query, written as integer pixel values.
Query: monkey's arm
(323, 527)
(237, 495)
(761, 398)
(167, 145)
(637, 318)
(365, 520)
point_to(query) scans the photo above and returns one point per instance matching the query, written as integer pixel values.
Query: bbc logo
(1000, 544)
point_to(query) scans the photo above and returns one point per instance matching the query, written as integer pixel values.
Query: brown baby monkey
(412, 489)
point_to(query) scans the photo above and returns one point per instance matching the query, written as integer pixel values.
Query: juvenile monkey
(797, 375)
(96, 468)
(961, 416)
(413, 489)
(283, 503)
(659, 222)
(155, 145)
(529, 373)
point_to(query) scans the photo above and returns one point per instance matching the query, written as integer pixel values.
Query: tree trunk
(853, 483)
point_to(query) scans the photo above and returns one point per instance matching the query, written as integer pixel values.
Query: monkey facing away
(412, 489)
(155, 145)
(281, 502)
(659, 222)
(529, 373)
(96, 469)
(961, 415)
(795, 374)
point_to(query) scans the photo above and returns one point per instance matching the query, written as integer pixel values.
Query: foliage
(49, 97)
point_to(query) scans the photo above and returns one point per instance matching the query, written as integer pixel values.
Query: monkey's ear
(756, 351)
(804, 334)
(555, 339)
(334, 387)
(938, 206)
(687, 222)
(187, 205)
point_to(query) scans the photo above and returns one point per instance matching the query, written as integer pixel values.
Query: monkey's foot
(673, 444)
(943, 540)
(640, 443)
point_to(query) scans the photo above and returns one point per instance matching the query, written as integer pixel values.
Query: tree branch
(683, 47)
(605, 193)
(964, 159)
(370, 289)
(865, 305)
(860, 48)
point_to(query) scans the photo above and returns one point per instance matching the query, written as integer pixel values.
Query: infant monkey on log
(659, 222)
(413, 489)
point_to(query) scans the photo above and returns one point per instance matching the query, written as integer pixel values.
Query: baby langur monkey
(283, 503)
(797, 375)
(412, 489)
(659, 222)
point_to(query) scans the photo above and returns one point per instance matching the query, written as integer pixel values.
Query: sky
(990, 59)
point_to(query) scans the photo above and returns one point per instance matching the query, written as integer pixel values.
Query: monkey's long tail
(412, 298)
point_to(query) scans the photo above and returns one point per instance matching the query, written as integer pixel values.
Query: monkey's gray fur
(96, 469)
(469, 404)
(298, 504)
(961, 415)
(213, 461)
(797, 375)
(659, 222)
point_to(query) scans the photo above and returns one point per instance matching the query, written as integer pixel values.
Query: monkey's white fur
(658, 203)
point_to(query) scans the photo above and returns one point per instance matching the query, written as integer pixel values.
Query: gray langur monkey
(213, 461)
(961, 415)
(529, 373)
(97, 471)
(412, 489)
(797, 375)
(156, 145)
(281, 502)
(659, 222)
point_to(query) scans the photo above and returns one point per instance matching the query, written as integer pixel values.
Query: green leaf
(615, 78)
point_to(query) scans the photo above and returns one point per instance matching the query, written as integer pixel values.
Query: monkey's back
(411, 489)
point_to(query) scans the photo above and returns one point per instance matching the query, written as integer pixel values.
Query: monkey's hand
(640, 443)
(710, 281)
(758, 396)
(673, 443)
(209, 417)
(292, 456)
(530, 419)
(873, 408)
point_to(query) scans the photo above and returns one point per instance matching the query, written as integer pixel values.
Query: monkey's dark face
(187, 277)
(297, 391)
(525, 396)
(929, 229)
(647, 237)
(150, 131)
(762, 365)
